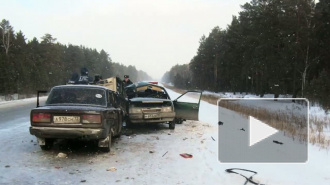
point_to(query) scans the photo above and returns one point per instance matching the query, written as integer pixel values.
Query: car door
(186, 106)
(114, 103)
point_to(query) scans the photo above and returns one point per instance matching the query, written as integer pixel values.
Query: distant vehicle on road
(150, 103)
(87, 112)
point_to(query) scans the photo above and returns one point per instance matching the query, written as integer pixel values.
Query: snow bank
(242, 95)
(6, 104)
(314, 110)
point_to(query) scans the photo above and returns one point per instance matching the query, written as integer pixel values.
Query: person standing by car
(127, 81)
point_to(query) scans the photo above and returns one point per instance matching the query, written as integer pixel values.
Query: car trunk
(69, 116)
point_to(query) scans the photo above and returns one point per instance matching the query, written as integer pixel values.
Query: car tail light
(91, 118)
(40, 117)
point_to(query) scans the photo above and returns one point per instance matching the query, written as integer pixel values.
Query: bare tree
(6, 31)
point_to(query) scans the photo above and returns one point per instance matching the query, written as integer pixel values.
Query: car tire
(179, 121)
(108, 147)
(171, 125)
(48, 144)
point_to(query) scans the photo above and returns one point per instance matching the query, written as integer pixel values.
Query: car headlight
(166, 109)
(135, 110)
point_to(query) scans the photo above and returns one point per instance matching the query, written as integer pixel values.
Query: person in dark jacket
(127, 81)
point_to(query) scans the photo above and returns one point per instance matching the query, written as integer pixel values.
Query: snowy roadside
(319, 120)
(315, 171)
(13, 103)
(314, 110)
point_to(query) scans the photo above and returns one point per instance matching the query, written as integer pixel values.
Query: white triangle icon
(259, 131)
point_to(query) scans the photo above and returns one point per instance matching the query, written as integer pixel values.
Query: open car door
(186, 106)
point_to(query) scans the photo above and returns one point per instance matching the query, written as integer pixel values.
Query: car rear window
(77, 96)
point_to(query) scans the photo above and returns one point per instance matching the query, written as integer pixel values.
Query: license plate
(150, 116)
(66, 119)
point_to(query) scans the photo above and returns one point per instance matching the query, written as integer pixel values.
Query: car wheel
(48, 144)
(179, 121)
(108, 145)
(172, 125)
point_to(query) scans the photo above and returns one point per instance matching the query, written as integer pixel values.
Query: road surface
(146, 155)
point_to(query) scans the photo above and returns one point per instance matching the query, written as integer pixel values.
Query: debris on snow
(62, 155)
(213, 138)
(185, 155)
(112, 169)
(165, 154)
(277, 142)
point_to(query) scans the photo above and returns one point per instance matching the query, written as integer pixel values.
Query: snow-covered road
(23, 162)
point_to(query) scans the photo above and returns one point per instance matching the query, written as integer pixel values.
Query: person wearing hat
(127, 81)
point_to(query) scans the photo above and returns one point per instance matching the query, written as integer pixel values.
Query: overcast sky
(153, 35)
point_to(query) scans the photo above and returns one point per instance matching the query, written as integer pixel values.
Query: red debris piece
(185, 155)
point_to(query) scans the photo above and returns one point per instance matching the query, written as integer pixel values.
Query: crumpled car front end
(151, 110)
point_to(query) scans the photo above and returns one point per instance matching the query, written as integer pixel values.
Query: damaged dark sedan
(78, 112)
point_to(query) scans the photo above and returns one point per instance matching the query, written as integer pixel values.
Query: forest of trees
(273, 46)
(27, 66)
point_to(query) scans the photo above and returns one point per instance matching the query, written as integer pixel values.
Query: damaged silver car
(150, 103)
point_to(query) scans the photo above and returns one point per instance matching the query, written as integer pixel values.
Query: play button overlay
(259, 131)
(262, 130)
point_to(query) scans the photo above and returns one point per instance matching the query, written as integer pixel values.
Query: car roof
(83, 86)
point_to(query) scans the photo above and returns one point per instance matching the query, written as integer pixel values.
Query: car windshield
(77, 96)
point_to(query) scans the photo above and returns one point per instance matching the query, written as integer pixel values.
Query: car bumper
(160, 118)
(68, 133)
